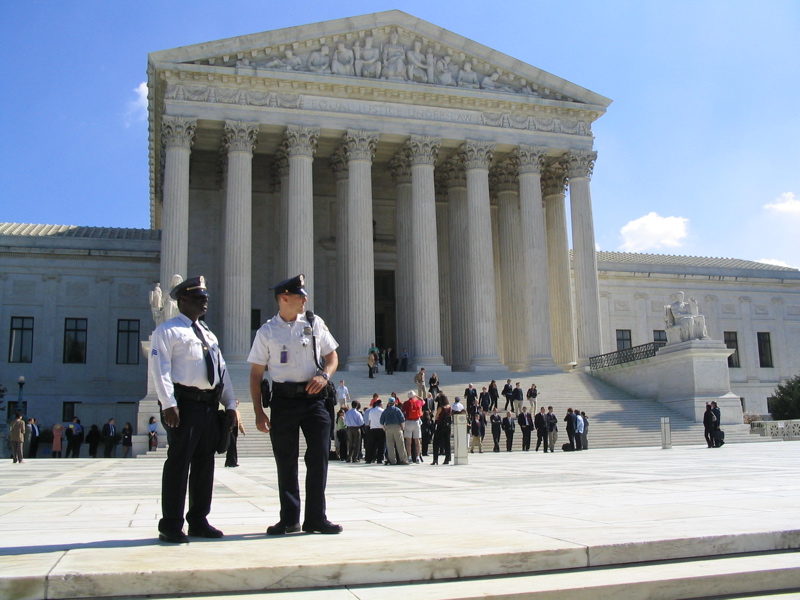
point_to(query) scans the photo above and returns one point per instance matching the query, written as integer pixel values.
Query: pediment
(380, 49)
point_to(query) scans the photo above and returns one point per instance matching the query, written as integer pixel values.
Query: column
(239, 139)
(400, 168)
(360, 147)
(579, 165)
(748, 342)
(301, 143)
(427, 343)
(609, 337)
(780, 349)
(559, 277)
(481, 306)
(461, 335)
(282, 168)
(643, 333)
(443, 254)
(710, 309)
(534, 253)
(177, 134)
(512, 288)
(338, 163)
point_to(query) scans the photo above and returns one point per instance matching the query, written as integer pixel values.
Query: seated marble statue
(467, 77)
(289, 63)
(394, 58)
(156, 304)
(368, 59)
(684, 321)
(320, 60)
(490, 83)
(417, 64)
(343, 61)
(444, 74)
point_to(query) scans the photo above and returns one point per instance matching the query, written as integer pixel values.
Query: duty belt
(184, 392)
(291, 389)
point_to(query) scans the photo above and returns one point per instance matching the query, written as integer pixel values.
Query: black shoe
(173, 537)
(325, 527)
(282, 528)
(205, 531)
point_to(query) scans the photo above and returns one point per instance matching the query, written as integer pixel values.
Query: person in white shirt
(376, 436)
(342, 394)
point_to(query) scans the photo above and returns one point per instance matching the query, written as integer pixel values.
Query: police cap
(295, 285)
(195, 285)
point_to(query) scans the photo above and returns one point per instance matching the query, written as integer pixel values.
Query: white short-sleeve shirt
(286, 349)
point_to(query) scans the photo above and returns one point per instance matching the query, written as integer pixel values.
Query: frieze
(760, 309)
(77, 289)
(729, 309)
(129, 290)
(387, 54)
(245, 97)
(622, 305)
(793, 310)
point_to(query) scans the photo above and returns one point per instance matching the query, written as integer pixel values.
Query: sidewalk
(87, 528)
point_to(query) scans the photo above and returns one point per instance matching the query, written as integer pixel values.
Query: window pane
(764, 350)
(75, 341)
(128, 342)
(659, 336)
(623, 339)
(732, 341)
(20, 345)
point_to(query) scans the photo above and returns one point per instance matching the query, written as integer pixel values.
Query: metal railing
(625, 356)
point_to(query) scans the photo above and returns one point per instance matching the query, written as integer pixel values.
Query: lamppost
(21, 383)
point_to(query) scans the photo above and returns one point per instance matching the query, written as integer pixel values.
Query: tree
(785, 403)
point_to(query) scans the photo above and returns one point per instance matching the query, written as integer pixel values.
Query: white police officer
(301, 358)
(191, 380)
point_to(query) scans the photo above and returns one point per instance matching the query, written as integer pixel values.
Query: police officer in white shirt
(191, 380)
(301, 358)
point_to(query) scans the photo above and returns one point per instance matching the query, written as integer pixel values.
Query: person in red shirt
(412, 411)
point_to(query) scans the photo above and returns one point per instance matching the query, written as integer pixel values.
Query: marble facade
(371, 145)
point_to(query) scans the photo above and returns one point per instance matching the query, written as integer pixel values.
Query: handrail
(625, 356)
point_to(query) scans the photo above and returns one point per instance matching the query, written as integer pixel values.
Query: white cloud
(773, 261)
(137, 109)
(652, 232)
(785, 203)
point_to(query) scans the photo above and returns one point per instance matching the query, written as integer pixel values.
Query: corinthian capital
(400, 168)
(240, 136)
(503, 177)
(338, 163)
(178, 132)
(531, 158)
(476, 155)
(422, 149)
(554, 179)
(453, 173)
(360, 144)
(300, 140)
(579, 163)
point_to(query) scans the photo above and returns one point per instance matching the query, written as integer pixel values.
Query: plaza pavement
(609, 523)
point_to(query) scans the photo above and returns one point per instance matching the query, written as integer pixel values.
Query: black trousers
(289, 417)
(375, 445)
(509, 440)
(496, 437)
(190, 461)
(232, 456)
(441, 443)
(526, 438)
(541, 436)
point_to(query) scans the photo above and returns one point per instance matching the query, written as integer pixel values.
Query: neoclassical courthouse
(420, 181)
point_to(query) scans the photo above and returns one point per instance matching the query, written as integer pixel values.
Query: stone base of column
(431, 364)
(486, 363)
(543, 365)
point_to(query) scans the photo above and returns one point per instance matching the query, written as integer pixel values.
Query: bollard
(666, 434)
(460, 439)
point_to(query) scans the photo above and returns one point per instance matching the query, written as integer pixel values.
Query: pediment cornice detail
(376, 51)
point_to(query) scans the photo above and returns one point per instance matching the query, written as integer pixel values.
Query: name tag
(284, 356)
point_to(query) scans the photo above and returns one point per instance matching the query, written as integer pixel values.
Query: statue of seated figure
(684, 321)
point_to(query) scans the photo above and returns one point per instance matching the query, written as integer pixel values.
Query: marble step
(714, 577)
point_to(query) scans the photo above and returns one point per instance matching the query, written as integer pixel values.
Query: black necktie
(206, 354)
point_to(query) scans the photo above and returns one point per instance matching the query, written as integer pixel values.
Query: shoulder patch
(154, 352)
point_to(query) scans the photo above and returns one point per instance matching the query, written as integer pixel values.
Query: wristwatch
(324, 375)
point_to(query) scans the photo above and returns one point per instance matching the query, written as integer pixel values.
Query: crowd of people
(403, 431)
(27, 436)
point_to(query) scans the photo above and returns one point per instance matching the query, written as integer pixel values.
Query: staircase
(616, 420)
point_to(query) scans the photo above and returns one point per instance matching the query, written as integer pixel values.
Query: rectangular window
(764, 350)
(659, 336)
(128, 341)
(74, 341)
(623, 339)
(732, 341)
(13, 407)
(69, 410)
(20, 345)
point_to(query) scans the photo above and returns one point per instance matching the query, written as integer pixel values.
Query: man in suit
(540, 422)
(470, 394)
(109, 438)
(526, 425)
(508, 427)
(33, 448)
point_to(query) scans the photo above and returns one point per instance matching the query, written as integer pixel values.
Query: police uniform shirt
(177, 356)
(286, 348)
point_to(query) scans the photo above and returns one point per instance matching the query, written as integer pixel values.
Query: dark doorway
(385, 319)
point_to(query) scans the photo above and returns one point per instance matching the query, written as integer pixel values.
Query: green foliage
(785, 404)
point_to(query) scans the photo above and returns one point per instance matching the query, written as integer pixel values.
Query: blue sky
(699, 154)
